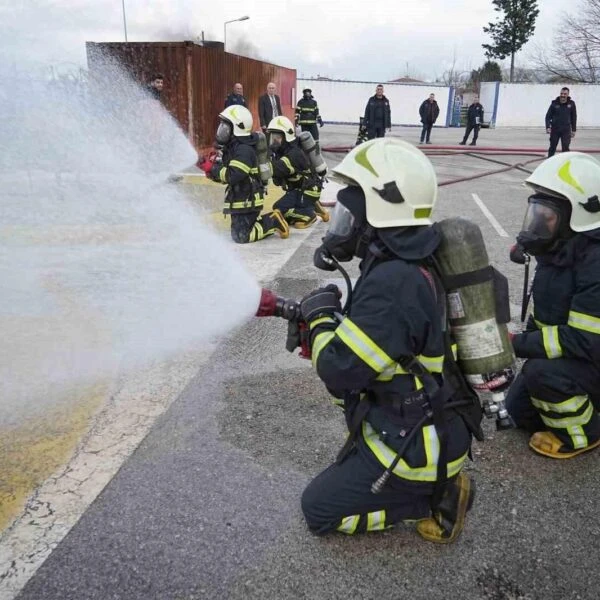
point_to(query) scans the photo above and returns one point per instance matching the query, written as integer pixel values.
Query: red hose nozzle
(267, 304)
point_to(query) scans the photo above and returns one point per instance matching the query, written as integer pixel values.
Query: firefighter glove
(320, 121)
(320, 302)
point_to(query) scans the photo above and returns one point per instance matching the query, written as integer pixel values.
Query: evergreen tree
(512, 32)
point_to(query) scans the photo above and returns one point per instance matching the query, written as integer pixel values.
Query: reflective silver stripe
(376, 520)
(568, 422)
(349, 524)
(551, 342)
(584, 322)
(578, 437)
(569, 405)
(362, 345)
(386, 456)
(320, 341)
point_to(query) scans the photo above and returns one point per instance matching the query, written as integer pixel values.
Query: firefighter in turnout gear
(557, 394)
(300, 204)
(239, 170)
(307, 115)
(387, 359)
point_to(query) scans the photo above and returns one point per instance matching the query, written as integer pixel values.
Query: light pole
(124, 19)
(244, 18)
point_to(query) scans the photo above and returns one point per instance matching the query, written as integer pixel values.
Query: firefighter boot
(447, 523)
(280, 224)
(305, 224)
(322, 211)
(546, 443)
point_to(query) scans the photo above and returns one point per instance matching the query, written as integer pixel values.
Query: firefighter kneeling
(387, 358)
(557, 394)
(239, 170)
(291, 169)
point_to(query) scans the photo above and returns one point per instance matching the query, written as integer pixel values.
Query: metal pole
(124, 20)
(225, 36)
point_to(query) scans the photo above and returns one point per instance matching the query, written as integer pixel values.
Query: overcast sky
(353, 39)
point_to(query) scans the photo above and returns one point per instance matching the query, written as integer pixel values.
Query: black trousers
(251, 227)
(295, 207)
(564, 135)
(340, 498)
(312, 128)
(376, 131)
(426, 132)
(474, 128)
(559, 395)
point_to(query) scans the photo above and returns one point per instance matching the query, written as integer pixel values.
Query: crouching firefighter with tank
(557, 394)
(387, 356)
(293, 171)
(239, 169)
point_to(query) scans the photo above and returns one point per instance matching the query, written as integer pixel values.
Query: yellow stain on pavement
(32, 451)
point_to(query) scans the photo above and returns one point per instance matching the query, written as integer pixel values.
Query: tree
(575, 53)
(512, 32)
(490, 71)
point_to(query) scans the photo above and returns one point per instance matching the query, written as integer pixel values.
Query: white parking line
(485, 210)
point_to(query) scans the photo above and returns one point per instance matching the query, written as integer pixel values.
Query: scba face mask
(545, 223)
(224, 131)
(276, 140)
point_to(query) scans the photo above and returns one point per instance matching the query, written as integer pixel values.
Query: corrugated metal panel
(197, 79)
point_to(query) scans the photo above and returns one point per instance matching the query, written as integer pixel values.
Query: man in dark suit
(269, 107)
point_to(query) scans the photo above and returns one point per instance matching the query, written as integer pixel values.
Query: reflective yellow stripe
(321, 340)
(239, 165)
(552, 342)
(320, 321)
(567, 422)
(286, 161)
(313, 193)
(363, 346)
(349, 524)
(572, 404)
(584, 322)
(578, 437)
(222, 174)
(257, 232)
(434, 364)
(539, 324)
(454, 349)
(428, 472)
(376, 520)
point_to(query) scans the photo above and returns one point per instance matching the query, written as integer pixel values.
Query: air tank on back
(308, 144)
(478, 313)
(262, 154)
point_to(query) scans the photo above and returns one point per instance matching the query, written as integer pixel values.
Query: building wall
(525, 104)
(197, 80)
(345, 101)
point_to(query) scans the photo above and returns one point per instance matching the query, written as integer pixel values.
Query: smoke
(244, 47)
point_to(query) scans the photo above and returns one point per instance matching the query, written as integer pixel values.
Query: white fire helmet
(398, 181)
(282, 125)
(240, 119)
(572, 176)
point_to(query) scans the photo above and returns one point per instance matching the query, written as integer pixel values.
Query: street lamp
(124, 19)
(244, 18)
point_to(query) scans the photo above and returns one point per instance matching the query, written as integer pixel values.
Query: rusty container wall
(142, 60)
(197, 80)
(254, 75)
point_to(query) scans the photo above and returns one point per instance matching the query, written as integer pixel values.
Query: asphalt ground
(207, 506)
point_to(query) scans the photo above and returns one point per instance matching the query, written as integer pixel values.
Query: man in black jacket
(399, 423)
(429, 111)
(236, 97)
(239, 171)
(269, 107)
(561, 121)
(474, 121)
(557, 394)
(378, 116)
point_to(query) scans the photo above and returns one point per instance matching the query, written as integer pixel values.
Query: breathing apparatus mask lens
(340, 241)
(224, 131)
(542, 224)
(276, 139)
